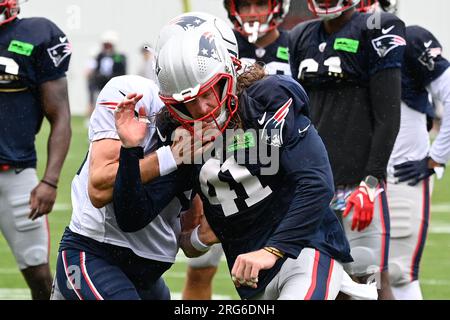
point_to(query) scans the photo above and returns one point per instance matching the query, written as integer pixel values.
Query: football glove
(416, 171)
(362, 201)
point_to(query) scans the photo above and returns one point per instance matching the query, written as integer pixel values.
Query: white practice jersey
(413, 141)
(158, 240)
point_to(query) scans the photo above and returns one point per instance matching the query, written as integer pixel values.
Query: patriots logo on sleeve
(189, 22)
(59, 52)
(386, 43)
(273, 129)
(427, 57)
(207, 47)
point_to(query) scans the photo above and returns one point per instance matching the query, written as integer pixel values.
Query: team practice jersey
(253, 198)
(157, 240)
(32, 51)
(423, 64)
(335, 70)
(275, 57)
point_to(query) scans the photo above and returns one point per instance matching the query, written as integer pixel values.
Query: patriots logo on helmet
(273, 129)
(385, 44)
(428, 56)
(207, 47)
(59, 53)
(189, 22)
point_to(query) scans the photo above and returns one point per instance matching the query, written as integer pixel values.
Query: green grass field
(435, 275)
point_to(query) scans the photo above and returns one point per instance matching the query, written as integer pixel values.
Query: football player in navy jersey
(350, 64)
(34, 58)
(413, 162)
(279, 235)
(259, 40)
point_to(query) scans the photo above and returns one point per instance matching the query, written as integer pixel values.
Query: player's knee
(35, 255)
(398, 276)
(365, 262)
(201, 276)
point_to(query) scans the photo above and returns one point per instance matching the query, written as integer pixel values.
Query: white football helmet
(330, 9)
(202, 21)
(190, 64)
(372, 6)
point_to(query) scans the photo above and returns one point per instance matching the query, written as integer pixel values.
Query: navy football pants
(84, 276)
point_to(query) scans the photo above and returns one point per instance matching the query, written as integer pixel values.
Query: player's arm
(137, 204)
(440, 149)
(428, 69)
(305, 161)
(196, 235)
(55, 103)
(386, 47)
(104, 162)
(385, 97)
(295, 37)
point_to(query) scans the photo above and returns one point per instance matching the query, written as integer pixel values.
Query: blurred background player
(91, 65)
(351, 69)
(34, 58)
(413, 162)
(260, 40)
(256, 25)
(109, 63)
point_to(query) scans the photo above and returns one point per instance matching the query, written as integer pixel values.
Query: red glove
(362, 200)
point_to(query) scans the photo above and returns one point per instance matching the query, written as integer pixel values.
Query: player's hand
(416, 171)
(247, 266)
(192, 217)
(205, 233)
(188, 147)
(42, 199)
(362, 203)
(131, 129)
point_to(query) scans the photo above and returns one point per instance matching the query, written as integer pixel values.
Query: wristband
(54, 186)
(274, 251)
(167, 163)
(196, 242)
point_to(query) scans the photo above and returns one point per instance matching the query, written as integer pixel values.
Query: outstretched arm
(54, 99)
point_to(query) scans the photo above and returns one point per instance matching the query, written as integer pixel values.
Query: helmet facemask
(221, 90)
(256, 25)
(330, 9)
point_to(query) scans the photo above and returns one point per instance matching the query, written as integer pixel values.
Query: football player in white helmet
(260, 40)
(254, 19)
(280, 237)
(103, 255)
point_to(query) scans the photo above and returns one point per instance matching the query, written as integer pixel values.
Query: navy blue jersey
(32, 51)
(282, 201)
(275, 56)
(335, 70)
(423, 64)
(351, 55)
